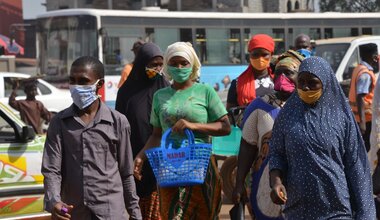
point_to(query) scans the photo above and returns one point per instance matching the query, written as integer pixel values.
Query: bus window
(246, 36)
(279, 39)
(313, 33)
(328, 33)
(149, 34)
(218, 46)
(112, 54)
(278, 35)
(234, 46)
(342, 32)
(62, 40)
(367, 31)
(118, 42)
(337, 32)
(185, 35)
(354, 32)
(163, 37)
(201, 45)
(351, 64)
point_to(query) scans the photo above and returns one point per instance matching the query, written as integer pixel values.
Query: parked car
(21, 181)
(343, 55)
(54, 99)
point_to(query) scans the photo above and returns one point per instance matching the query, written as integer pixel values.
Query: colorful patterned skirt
(150, 206)
(194, 202)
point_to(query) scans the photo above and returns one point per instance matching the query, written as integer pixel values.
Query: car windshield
(61, 41)
(8, 87)
(333, 53)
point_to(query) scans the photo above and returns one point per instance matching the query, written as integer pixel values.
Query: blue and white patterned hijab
(323, 143)
(331, 109)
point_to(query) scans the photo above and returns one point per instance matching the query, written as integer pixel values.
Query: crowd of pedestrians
(302, 139)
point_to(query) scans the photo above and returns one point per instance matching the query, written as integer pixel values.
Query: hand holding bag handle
(167, 133)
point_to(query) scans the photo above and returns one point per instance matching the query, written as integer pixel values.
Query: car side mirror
(28, 133)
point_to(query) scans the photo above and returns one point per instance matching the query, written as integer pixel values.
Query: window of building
(289, 6)
(297, 5)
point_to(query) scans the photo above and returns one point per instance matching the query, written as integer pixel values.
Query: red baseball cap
(261, 41)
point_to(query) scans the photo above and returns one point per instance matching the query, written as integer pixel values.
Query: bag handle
(167, 133)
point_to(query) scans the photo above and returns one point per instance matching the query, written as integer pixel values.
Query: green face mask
(180, 75)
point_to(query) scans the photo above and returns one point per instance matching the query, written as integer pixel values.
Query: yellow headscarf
(185, 50)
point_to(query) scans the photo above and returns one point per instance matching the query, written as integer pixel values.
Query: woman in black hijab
(134, 100)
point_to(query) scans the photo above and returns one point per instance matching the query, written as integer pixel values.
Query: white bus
(220, 39)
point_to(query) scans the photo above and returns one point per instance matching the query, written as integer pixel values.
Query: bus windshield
(333, 53)
(63, 39)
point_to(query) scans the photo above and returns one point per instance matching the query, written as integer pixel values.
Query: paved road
(224, 213)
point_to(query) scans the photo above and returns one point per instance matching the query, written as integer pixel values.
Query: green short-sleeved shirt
(199, 104)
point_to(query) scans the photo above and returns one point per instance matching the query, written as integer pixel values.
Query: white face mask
(83, 95)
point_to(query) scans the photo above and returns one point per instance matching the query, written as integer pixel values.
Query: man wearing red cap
(257, 79)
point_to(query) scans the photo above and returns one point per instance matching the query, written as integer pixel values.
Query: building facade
(257, 6)
(281, 6)
(10, 16)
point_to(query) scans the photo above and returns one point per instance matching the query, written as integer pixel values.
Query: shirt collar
(367, 65)
(104, 113)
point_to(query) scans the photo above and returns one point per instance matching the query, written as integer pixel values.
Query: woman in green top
(187, 104)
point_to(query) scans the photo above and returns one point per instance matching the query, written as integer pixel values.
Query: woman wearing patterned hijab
(187, 104)
(318, 163)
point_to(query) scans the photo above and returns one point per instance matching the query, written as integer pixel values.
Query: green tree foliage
(350, 5)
